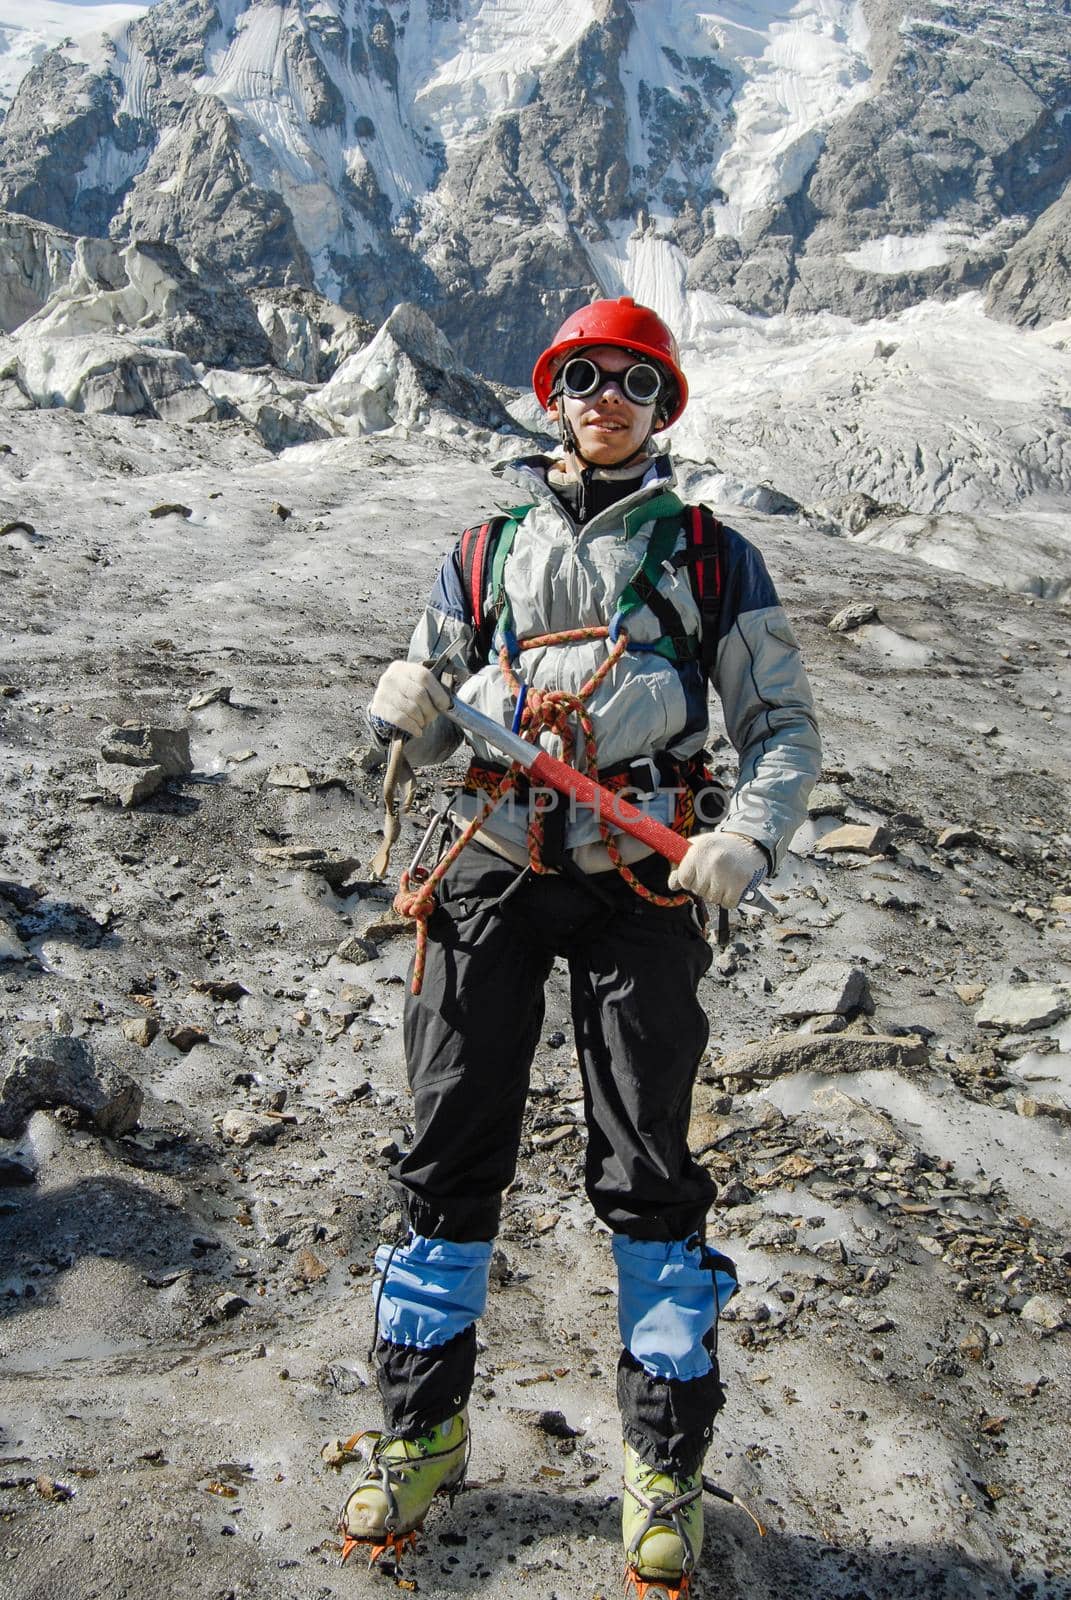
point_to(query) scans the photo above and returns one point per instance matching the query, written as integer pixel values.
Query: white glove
(409, 697)
(719, 868)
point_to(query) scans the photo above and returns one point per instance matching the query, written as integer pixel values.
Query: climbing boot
(662, 1528)
(389, 1500)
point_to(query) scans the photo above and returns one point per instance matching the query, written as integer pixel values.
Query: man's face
(609, 427)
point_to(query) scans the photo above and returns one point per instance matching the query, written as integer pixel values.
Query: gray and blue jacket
(560, 575)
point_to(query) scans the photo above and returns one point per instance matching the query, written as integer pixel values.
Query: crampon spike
(395, 1544)
(656, 1588)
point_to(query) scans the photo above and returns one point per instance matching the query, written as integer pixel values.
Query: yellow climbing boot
(389, 1500)
(662, 1528)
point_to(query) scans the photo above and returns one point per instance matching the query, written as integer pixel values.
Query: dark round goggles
(642, 382)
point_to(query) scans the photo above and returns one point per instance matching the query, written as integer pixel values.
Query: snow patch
(109, 168)
(484, 62)
(897, 253)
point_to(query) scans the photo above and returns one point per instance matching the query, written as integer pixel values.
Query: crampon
(393, 1544)
(656, 1588)
(386, 1506)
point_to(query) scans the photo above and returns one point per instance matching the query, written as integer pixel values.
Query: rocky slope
(858, 156)
(934, 430)
(201, 1082)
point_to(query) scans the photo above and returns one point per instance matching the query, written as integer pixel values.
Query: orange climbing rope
(545, 711)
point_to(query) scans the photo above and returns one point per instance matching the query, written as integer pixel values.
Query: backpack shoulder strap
(484, 551)
(705, 568)
(474, 543)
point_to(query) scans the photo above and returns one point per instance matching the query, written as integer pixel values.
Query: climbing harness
(552, 711)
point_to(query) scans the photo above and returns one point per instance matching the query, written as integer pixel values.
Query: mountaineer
(606, 607)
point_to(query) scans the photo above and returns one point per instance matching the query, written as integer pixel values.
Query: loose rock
(129, 787)
(954, 838)
(858, 837)
(220, 695)
(354, 948)
(244, 1128)
(1023, 1006)
(827, 987)
(827, 800)
(839, 1052)
(1045, 1311)
(141, 1030)
(53, 1070)
(135, 745)
(289, 777)
(184, 1036)
(853, 616)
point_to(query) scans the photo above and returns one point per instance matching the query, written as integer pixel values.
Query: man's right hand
(409, 697)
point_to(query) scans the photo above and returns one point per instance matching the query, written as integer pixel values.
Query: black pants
(470, 1037)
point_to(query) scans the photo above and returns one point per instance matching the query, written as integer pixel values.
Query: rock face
(407, 374)
(1034, 288)
(849, 161)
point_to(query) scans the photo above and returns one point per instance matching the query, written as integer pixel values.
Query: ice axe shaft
(547, 770)
(554, 774)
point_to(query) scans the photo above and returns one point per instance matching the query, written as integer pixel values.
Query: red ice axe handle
(554, 774)
(548, 770)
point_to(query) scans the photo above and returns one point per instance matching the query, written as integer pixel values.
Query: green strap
(664, 505)
(642, 590)
(503, 616)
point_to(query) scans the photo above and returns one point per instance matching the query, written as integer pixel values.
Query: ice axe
(541, 768)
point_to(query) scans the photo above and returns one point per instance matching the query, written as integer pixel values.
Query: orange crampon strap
(395, 1544)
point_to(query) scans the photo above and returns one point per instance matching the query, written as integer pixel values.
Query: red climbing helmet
(622, 323)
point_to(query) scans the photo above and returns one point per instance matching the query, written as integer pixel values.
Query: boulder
(827, 987)
(54, 1070)
(825, 1053)
(129, 786)
(1021, 1007)
(138, 745)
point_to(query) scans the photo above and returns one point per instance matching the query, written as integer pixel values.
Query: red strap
(479, 557)
(705, 552)
(697, 540)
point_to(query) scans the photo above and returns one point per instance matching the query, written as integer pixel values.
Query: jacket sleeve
(444, 637)
(767, 703)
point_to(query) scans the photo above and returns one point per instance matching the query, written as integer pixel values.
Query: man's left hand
(719, 867)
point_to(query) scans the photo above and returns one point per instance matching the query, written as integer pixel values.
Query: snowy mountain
(493, 160)
(29, 29)
(857, 215)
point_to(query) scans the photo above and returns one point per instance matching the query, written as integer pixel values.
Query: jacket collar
(529, 475)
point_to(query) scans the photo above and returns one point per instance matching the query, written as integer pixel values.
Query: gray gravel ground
(184, 1320)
